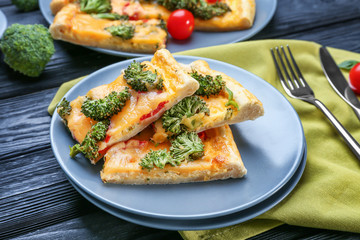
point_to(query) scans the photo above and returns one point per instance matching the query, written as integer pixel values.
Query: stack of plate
(3, 23)
(273, 149)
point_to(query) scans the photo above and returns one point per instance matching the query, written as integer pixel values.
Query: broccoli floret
(187, 147)
(89, 145)
(125, 30)
(105, 108)
(141, 80)
(95, 6)
(208, 84)
(186, 108)
(157, 158)
(231, 100)
(200, 8)
(110, 16)
(64, 109)
(26, 5)
(27, 48)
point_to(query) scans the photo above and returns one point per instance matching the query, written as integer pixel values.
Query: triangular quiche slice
(72, 25)
(241, 13)
(140, 109)
(221, 160)
(232, 105)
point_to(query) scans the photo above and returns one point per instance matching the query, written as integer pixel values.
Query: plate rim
(43, 9)
(4, 23)
(145, 213)
(217, 222)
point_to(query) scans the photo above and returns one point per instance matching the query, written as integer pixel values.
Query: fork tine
(301, 78)
(295, 78)
(284, 68)
(281, 76)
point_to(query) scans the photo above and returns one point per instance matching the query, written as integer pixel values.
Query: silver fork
(296, 87)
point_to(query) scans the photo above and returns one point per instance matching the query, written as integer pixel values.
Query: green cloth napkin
(328, 194)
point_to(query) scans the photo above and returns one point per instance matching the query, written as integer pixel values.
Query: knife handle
(350, 141)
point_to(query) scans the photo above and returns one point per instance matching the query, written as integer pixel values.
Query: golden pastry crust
(221, 160)
(72, 25)
(250, 107)
(142, 109)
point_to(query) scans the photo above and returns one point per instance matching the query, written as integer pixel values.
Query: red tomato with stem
(180, 24)
(354, 76)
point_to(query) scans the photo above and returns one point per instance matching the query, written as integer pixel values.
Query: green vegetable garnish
(348, 65)
(157, 158)
(231, 100)
(64, 109)
(105, 108)
(186, 108)
(200, 8)
(110, 16)
(27, 48)
(208, 84)
(125, 30)
(187, 147)
(141, 80)
(89, 146)
(95, 6)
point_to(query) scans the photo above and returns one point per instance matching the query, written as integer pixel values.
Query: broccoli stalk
(27, 48)
(64, 109)
(89, 145)
(105, 108)
(26, 5)
(95, 6)
(187, 147)
(141, 80)
(208, 84)
(124, 30)
(200, 8)
(186, 108)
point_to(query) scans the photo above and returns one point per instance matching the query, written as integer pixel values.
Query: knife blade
(338, 81)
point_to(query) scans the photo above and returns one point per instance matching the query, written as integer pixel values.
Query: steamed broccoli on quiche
(27, 48)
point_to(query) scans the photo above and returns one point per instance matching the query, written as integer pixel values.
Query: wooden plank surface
(37, 201)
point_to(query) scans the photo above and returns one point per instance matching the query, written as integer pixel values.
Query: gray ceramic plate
(3, 23)
(271, 147)
(209, 223)
(265, 10)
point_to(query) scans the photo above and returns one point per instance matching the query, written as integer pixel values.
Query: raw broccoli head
(188, 107)
(95, 6)
(89, 145)
(105, 108)
(27, 48)
(208, 84)
(26, 5)
(187, 147)
(141, 80)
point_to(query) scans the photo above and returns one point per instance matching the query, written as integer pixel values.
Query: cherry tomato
(180, 24)
(355, 78)
(212, 1)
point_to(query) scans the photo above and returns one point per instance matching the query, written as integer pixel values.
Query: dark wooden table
(37, 202)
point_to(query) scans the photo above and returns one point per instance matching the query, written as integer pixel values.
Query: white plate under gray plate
(209, 223)
(3, 23)
(271, 148)
(265, 10)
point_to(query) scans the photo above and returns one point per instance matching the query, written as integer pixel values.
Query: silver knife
(338, 81)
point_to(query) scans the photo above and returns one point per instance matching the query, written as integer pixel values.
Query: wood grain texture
(37, 201)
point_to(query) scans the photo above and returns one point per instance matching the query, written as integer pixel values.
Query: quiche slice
(140, 110)
(246, 106)
(240, 17)
(221, 160)
(72, 25)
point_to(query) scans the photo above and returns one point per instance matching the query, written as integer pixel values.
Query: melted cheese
(142, 108)
(220, 157)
